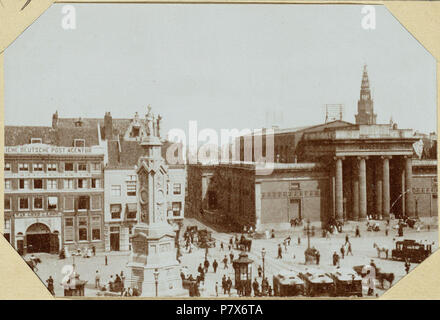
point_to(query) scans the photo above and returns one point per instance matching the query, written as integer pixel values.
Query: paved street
(363, 252)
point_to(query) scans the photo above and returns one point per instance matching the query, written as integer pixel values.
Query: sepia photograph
(220, 150)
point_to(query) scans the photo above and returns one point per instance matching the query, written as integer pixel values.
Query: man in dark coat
(256, 286)
(280, 252)
(206, 265)
(215, 265)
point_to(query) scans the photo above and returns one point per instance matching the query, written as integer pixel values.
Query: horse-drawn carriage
(311, 256)
(205, 239)
(412, 250)
(347, 282)
(288, 284)
(317, 283)
(245, 244)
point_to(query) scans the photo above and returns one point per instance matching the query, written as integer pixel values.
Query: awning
(131, 211)
(115, 208)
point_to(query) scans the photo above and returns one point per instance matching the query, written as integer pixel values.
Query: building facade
(54, 190)
(332, 171)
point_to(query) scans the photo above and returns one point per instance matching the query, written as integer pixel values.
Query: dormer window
(135, 131)
(78, 123)
(36, 140)
(79, 143)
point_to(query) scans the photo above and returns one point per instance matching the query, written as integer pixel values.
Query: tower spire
(365, 113)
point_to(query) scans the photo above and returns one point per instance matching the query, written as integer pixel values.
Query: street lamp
(308, 230)
(263, 254)
(156, 278)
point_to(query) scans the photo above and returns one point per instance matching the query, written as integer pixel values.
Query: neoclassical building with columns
(335, 170)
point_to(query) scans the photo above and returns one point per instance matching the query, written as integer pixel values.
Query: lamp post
(308, 230)
(156, 278)
(263, 254)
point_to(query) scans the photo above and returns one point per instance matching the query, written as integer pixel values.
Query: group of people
(116, 283)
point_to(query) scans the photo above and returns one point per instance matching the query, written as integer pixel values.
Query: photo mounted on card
(219, 150)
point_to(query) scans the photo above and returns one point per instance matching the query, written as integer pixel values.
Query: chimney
(108, 126)
(55, 120)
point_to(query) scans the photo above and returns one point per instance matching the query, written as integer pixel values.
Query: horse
(246, 244)
(380, 250)
(382, 276)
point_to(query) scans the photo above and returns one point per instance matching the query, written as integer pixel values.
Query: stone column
(339, 190)
(362, 188)
(379, 191)
(386, 187)
(409, 198)
(355, 191)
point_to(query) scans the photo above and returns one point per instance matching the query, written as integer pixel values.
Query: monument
(154, 270)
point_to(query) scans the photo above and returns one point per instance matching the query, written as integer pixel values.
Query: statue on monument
(150, 119)
(159, 118)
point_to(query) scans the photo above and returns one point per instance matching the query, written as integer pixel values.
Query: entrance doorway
(294, 209)
(114, 238)
(38, 238)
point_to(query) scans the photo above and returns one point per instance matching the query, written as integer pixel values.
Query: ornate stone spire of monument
(153, 242)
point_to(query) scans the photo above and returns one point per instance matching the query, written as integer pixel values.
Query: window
(23, 203)
(8, 224)
(294, 186)
(51, 184)
(23, 167)
(36, 140)
(96, 202)
(37, 167)
(177, 188)
(38, 183)
(68, 229)
(115, 210)
(82, 166)
(7, 166)
(51, 167)
(69, 203)
(83, 202)
(96, 227)
(8, 184)
(7, 204)
(79, 143)
(68, 184)
(68, 166)
(23, 184)
(131, 211)
(82, 183)
(82, 228)
(132, 177)
(131, 189)
(212, 200)
(96, 166)
(116, 190)
(96, 183)
(177, 207)
(52, 203)
(38, 203)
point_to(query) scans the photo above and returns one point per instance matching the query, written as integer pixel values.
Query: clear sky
(222, 65)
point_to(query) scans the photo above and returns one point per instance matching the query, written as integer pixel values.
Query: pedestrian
(280, 252)
(123, 279)
(206, 265)
(299, 240)
(231, 256)
(357, 232)
(106, 261)
(407, 265)
(200, 268)
(349, 249)
(224, 285)
(346, 239)
(94, 251)
(225, 261)
(335, 258)
(215, 265)
(229, 285)
(342, 252)
(255, 287)
(260, 271)
(221, 246)
(318, 256)
(216, 289)
(50, 285)
(97, 279)
(273, 234)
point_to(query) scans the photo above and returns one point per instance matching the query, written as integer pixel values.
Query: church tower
(365, 113)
